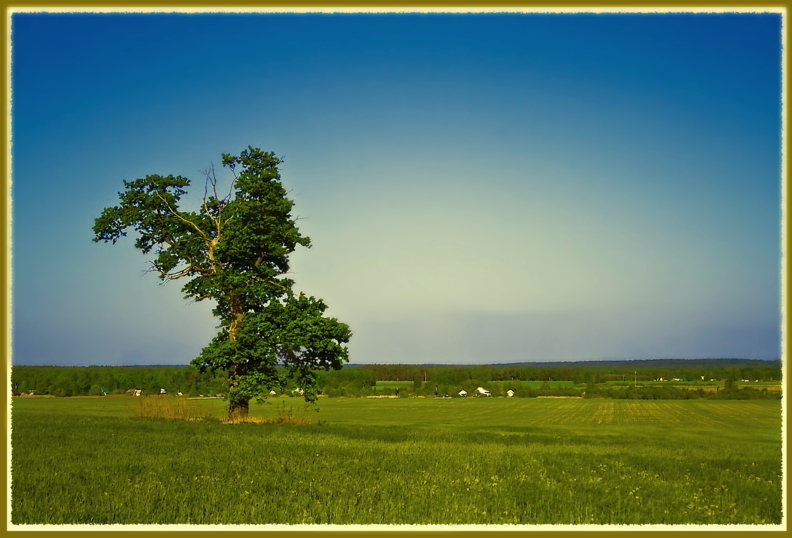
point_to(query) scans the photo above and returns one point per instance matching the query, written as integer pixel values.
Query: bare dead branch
(211, 178)
(214, 181)
(206, 188)
(179, 274)
(208, 179)
(219, 220)
(231, 188)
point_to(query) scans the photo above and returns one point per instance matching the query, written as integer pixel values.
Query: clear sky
(478, 188)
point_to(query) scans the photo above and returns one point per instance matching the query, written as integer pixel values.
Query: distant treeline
(585, 372)
(654, 363)
(95, 380)
(416, 380)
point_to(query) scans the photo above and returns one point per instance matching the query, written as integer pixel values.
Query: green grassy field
(536, 384)
(393, 384)
(396, 461)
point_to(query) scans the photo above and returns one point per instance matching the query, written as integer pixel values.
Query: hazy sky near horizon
(478, 188)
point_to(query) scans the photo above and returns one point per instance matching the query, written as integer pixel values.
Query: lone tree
(235, 251)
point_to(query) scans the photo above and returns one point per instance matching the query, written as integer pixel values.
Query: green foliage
(235, 251)
(746, 393)
(560, 391)
(730, 381)
(293, 334)
(357, 377)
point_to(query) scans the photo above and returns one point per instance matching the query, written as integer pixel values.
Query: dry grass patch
(169, 408)
(285, 416)
(174, 408)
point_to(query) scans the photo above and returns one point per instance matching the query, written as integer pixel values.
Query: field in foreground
(450, 461)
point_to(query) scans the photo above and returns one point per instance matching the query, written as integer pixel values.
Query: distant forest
(599, 371)
(601, 378)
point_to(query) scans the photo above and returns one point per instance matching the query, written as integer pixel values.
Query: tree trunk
(238, 410)
(237, 313)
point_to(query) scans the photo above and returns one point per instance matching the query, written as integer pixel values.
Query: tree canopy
(235, 251)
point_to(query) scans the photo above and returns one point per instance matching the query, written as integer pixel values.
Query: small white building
(463, 393)
(509, 393)
(483, 392)
(273, 393)
(138, 392)
(163, 391)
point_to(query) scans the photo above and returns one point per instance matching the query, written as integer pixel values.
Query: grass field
(440, 461)
(393, 384)
(536, 384)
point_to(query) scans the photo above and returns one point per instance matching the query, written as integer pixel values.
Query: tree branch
(176, 214)
(214, 182)
(178, 274)
(217, 221)
(288, 290)
(231, 188)
(198, 269)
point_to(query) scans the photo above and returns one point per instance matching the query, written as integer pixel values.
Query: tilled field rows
(526, 412)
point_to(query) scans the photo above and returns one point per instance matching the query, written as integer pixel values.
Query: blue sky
(478, 188)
